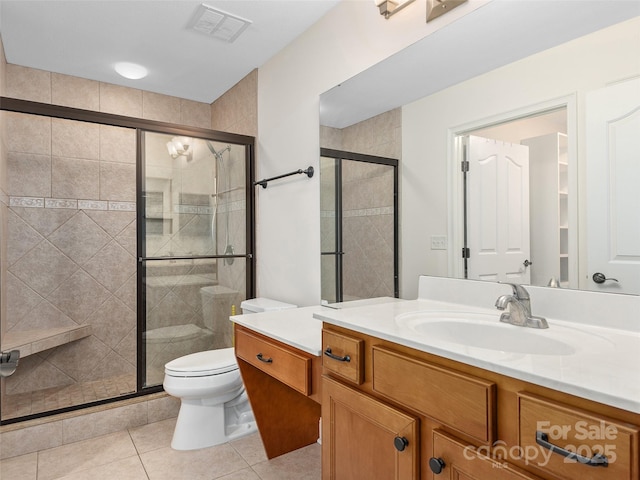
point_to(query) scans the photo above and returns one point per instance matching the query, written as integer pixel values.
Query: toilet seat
(203, 364)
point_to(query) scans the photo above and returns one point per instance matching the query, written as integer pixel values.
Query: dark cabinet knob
(400, 443)
(436, 465)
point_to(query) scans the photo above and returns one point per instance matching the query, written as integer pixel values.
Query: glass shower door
(359, 230)
(193, 250)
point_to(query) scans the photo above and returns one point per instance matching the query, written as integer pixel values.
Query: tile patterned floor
(144, 453)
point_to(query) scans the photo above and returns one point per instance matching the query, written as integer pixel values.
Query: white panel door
(613, 187)
(497, 211)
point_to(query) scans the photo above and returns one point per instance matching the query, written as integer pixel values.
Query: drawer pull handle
(263, 359)
(436, 465)
(597, 460)
(328, 353)
(400, 443)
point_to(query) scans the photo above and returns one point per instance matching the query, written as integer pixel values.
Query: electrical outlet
(438, 242)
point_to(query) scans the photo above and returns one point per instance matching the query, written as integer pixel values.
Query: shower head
(217, 154)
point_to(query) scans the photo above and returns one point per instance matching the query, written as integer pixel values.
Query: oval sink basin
(485, 331)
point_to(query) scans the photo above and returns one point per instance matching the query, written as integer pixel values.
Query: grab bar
(308, 172)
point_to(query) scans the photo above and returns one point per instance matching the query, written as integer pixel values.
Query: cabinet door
(365, 438)
(453, 460)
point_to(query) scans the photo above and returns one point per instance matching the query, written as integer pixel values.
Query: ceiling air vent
(218, 24)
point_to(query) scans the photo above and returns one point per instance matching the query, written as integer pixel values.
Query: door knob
(600, 278)
(436, 465)
(526, 263)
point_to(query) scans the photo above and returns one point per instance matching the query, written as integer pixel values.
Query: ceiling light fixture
(179, 146)
(132, 71)
(391, 7)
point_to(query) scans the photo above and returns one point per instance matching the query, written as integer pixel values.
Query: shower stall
(128, 243)
(358, 225)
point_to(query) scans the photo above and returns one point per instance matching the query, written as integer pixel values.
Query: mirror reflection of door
(359, 226)
(497, 205)
(518, 224)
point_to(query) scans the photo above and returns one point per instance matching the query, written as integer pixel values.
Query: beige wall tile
(117, 144)
(30, 439)
(101, 423)
(28, 133)
(3, 70)
(75, 178)
(236, 110)
(162, 108)
(117, 182)
(29, 175)
(120, 100)
(28, 84)
(75, 92)
(195, 114)
(75, 139)
(163, 408)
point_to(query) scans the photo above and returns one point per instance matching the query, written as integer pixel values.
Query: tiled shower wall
(367, 204)
(71, 237)
(236, 112)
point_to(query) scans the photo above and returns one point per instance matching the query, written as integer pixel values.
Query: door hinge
(466, 252)
(465, 165)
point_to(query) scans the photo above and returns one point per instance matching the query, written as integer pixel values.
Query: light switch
(438, 242)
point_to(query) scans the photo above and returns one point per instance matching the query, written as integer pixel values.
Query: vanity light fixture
(391, 7)
(435, 8)
(129, 70)
(179, 146)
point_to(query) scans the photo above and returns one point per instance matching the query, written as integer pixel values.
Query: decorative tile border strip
(37, 202)
(61, 203)
(26, 202)
(369, 212)
(93, 205)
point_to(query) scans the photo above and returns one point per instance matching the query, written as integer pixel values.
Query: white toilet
(214, 406)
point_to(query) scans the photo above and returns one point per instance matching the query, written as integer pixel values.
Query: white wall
(574, 68)
(350, 38)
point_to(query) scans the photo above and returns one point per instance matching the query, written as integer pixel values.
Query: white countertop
(294, 326)
(297, 327)
(603, 364)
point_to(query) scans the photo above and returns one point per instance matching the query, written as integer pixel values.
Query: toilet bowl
(214, 407)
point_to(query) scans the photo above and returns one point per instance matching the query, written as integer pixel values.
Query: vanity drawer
(460, 401)
(544, 425)
(342, 355)
(276, 359)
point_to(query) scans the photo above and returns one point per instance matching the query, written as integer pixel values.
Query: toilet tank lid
(209, 362)
(262, 304)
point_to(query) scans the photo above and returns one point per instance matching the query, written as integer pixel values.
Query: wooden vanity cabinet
(473, 424)
(283, 385)
(364, 438)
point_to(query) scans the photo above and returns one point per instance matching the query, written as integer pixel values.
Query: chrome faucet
(519, 313)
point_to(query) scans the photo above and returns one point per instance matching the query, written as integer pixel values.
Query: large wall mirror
(566, 91)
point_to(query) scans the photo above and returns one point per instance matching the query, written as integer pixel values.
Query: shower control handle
(264, 359)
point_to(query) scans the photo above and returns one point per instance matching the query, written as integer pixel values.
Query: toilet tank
(256, 305)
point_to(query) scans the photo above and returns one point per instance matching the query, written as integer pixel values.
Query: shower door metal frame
(222, 137)
(69, 113)
(338, 156)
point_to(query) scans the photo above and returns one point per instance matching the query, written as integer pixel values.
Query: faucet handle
(518, 291)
